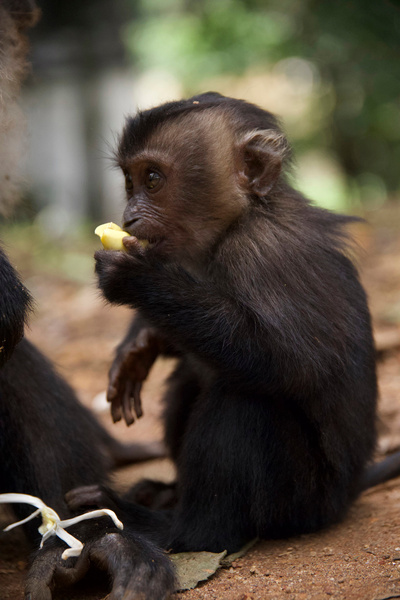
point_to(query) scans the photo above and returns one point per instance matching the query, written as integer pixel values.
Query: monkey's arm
(194, 315)
(132, 363)
(15, 303)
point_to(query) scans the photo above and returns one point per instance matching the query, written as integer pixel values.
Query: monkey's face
(189, 178)
(180, 185)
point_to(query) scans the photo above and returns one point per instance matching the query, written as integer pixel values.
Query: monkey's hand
(136, 355)
(130, 368)
(117, 270)
(137, 568)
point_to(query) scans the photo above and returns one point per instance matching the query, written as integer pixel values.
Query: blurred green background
(329, 70)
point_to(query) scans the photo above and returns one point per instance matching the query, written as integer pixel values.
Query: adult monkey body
(48, 441)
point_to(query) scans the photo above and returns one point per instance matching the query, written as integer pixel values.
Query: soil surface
(357, 559)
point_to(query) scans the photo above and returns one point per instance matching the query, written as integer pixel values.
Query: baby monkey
(270, 412)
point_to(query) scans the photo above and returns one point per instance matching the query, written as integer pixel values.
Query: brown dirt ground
(358, 559)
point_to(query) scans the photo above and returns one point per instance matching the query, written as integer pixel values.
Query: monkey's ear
(262, 153)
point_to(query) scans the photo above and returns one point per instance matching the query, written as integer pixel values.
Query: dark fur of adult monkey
(270, 413)
(48, 441)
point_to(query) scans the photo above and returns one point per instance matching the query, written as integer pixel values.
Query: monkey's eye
(128, 182)
(152, 180)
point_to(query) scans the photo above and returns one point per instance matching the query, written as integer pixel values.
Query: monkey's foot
(136, 567)
(92, 495)
(153, 494)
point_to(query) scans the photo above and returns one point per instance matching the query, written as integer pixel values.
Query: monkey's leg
(182, 392)
(215, 470)
(181, 395)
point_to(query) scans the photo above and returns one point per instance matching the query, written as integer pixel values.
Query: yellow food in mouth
(111, 236)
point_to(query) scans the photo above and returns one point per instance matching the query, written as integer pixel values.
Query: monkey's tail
(382, 471)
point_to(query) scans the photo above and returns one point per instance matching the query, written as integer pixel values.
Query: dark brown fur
(270, 413)
(48, 441)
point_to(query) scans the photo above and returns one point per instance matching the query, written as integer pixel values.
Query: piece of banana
(111, 236)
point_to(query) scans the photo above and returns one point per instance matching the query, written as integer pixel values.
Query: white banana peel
(52, 524)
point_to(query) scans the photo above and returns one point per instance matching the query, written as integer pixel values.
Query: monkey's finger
(126, 404)
(116, 410)
(137, 400)
(112, 392)
(133, 245)
(115, 381)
